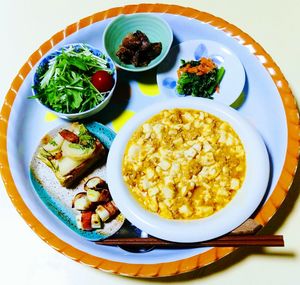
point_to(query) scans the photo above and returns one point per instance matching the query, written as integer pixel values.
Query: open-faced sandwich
(70, 153)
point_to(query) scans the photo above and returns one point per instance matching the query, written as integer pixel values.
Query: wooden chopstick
(225, 241)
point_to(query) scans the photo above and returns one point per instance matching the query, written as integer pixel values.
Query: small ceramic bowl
(157, 30)
(88, 113)
(239, 209)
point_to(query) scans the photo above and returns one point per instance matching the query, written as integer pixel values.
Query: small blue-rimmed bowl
(81, 115)
(156, 29)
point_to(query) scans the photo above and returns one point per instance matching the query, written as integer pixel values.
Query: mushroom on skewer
(101, 196)
(95, 183)
(107, 211)
(81, 203)
(95, 205)
(96, 189)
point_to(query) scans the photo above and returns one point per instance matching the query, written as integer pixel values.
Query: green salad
(73, 81)
(200, 78)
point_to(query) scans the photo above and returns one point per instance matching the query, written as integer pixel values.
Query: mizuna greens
(64, 82)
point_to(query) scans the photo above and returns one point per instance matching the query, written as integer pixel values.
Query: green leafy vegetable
(75, 145)
(64, 82)
(199, 85)
(220, 74)
(85, 138)
(53, 143)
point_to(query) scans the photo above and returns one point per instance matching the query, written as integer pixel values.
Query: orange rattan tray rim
(184, 265)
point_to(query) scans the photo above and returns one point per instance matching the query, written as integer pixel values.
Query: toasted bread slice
(71, 153)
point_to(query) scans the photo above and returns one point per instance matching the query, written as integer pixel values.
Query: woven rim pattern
(184, 265)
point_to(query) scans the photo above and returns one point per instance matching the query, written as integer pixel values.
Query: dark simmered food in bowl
(136, 49)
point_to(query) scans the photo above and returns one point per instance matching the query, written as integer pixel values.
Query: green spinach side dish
(199, 78)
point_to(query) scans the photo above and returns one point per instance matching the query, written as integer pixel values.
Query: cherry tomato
(102, 80)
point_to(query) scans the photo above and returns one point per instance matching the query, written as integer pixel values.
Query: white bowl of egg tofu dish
(188, 170)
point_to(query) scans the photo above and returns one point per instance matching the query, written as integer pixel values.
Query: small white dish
(233, 80)
(234, 214)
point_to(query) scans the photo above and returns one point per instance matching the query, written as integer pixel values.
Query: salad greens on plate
(74, 80)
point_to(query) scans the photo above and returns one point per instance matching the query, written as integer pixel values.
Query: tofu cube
(207, 146)
(207, 159)
(197, 147)
(235, 184)
(150, 173)
(153, 191)
(190, 153)
(167, 192)
(185, 210)
(134, 152)
(164, 165)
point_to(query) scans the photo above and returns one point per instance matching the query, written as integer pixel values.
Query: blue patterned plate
(58, 199)
(232, 83)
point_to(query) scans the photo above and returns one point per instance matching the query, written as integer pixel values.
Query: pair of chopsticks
(225, 241)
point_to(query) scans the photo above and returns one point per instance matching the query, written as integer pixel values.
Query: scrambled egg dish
(184, 164)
